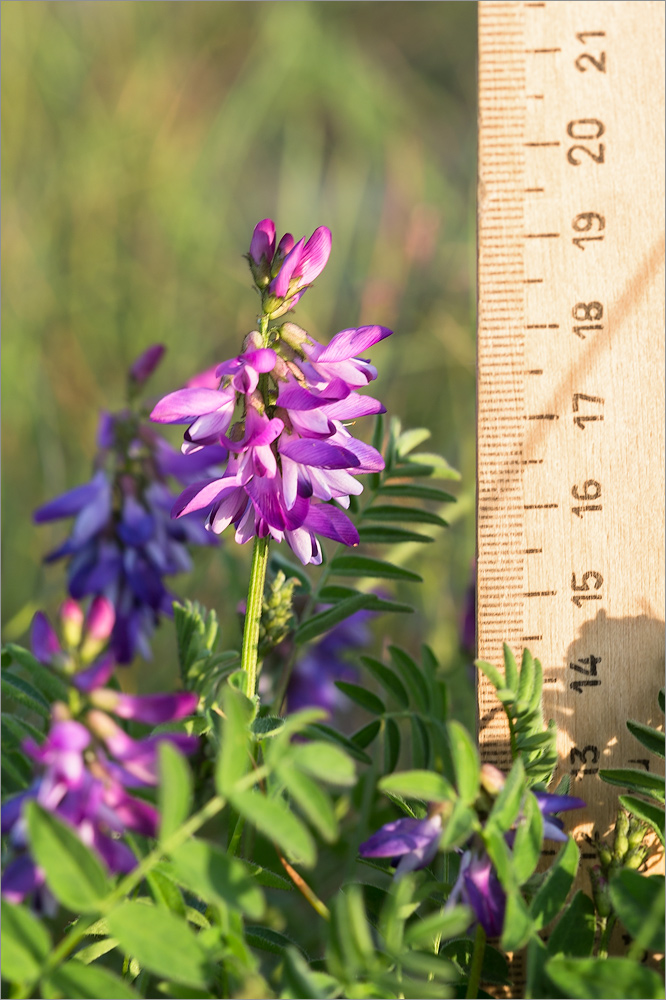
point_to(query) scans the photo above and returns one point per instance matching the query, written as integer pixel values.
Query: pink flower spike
(185, 405)
(280, 285)
(156, 708)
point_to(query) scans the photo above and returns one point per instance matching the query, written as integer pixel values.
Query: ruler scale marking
(570, 371)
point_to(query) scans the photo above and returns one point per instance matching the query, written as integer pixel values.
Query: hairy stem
(255, 598)
(305, 890)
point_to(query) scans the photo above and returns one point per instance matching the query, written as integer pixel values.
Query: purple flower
(123, 541)
(479, 887)
(85, 765)
(410, 843)
(303, 263)
(290, 452)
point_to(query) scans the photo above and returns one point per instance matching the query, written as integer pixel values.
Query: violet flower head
(123, 542)
(281, 411)
(410, 843)
(86, 765)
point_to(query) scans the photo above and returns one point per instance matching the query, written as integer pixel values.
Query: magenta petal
(156, 708)
(315, 255)
(43, 640)
(267, 501)
(262, 360)
(263, 241)
(348, 343)
(329, 521)
(280, 284)
(200, 495)
(184, 405)
(353, 406)
(318, 453)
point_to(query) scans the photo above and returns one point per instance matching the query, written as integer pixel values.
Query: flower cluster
(123, 542)
(88, 762)
(281, 408)
(413, 844)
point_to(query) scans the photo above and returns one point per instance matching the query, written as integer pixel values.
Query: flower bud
(293, 335)
(635, 858)
(492, 779)
(99, 626)
(71, 622)
(637, 831)
(146, 363)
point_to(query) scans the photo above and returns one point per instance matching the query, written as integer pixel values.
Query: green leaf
(635, 780)
(313, 801)
(459, 827)
(355, 565)
(233, 761)
(206, 870)
(420, 743)
(506, 806)
(363, 737)
(48, 683)
(650, 738)
(638, 901)
(274, 819)
(26, 944)
(391, 745)
(381, 534)
(527, 678)
(610, 978)
(552, 895)
(164, 890)
(268, 939)
(411, 439)
(425, 464)
(425, 785)
(418, 492)
(304, 982)
(491, 672)
(652, 814)
(573, 935)
(266, 877)
(325, 620)
(267, 726)
(79, 982)
(412, 675)
(74, 873)
(528, 840)
(517, 923)
(445, 924)
(19, 729)
(510, 669)
(495, 966)
(366, 699)
(324, 761)
(160, 941)
(465, 762)
(174, 792)
(403, 515)
(662, 700)
(388, 679)
(319, 730)
(25, 694)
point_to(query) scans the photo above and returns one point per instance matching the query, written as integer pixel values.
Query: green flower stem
(255, 599)
(123, 889)
(477, 963)
(607, 926)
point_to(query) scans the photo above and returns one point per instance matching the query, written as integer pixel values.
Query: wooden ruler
(571, 374)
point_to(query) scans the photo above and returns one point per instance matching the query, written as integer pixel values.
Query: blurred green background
(141, 143)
